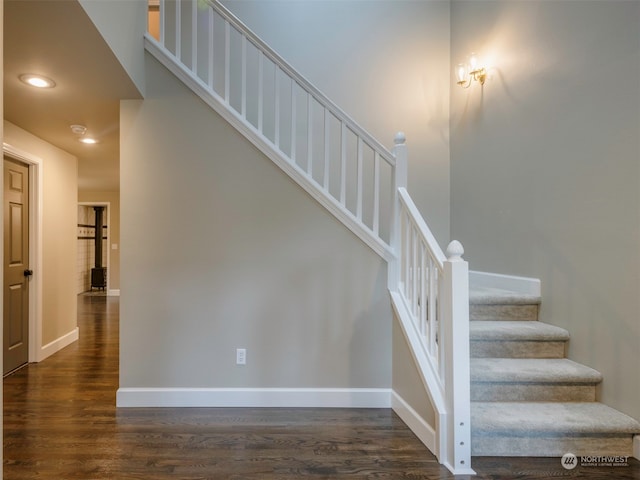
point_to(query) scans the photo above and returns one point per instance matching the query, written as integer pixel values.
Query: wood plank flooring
(60, 422)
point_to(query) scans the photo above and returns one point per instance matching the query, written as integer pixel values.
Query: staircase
(527, 399)
(351, 174)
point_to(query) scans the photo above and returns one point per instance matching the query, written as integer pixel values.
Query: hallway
(60, 422)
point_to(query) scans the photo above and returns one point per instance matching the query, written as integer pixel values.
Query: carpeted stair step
(496, 304)
(550, 429)
(516, 339)
(532, 380)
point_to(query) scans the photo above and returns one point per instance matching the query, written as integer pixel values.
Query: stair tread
(532, 370)
(516, 330)
(498, 296)
(552, 418)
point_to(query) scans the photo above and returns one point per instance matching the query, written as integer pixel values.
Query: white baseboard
(58, 344)
(524, 285)
(636, 446)
(255, 397)
(113, 293)
(425, 432)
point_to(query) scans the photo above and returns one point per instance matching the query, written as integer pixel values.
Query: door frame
(108, 206)
(35, 246)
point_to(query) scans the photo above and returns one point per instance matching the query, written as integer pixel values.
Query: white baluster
(343, 163)
(414, 263)
(178, 31)
(294, 121)
(376, 193)
(327, 149)
(406, 235)
(211, 57)
(194, 36)
(276, 82)
(227, 61)
(260, 92)
(243, 101)
(162, 23)
(424, 299)
(359, 178)
(433, 304)
(309, 134)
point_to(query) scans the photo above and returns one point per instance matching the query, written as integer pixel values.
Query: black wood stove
(98, 273)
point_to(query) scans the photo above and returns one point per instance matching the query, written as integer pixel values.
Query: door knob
(28, 273)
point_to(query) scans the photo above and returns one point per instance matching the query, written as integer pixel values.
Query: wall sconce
(465, 73)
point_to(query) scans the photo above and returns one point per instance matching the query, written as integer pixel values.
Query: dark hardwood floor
(60, 422)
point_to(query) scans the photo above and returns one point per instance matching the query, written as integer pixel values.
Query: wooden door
(16, 265)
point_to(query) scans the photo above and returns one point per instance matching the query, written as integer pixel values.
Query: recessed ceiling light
(37, 81)
(88, 140)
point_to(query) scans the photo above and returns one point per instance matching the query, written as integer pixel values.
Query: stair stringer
(263, 144)
(428, 375)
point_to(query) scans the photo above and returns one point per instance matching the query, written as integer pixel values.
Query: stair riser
(550, 446)
(516, 349)
(535, 408)
(518, 392)
(503, 312)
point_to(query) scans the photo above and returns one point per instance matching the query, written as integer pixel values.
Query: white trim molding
(523, 285)
(255, 397)
(425, 432)
(113, 292)
(58, 344)
(636, 446)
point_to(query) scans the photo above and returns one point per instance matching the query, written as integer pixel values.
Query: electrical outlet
(241, 356)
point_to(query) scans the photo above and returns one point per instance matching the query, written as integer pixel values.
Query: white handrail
(429, 289)
(422, 229)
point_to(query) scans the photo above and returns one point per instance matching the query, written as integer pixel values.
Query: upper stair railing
(312, 139)
(349, 172)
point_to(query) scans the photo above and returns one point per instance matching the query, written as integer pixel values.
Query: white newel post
(400, 175)
(457, 375)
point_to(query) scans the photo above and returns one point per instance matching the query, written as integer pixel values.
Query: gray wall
(221, 250)
(59, 171)
(545, 168)
(386, 64)
(407, 382)
(122, 24)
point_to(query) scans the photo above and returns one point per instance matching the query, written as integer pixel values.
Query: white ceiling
(57, 39)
